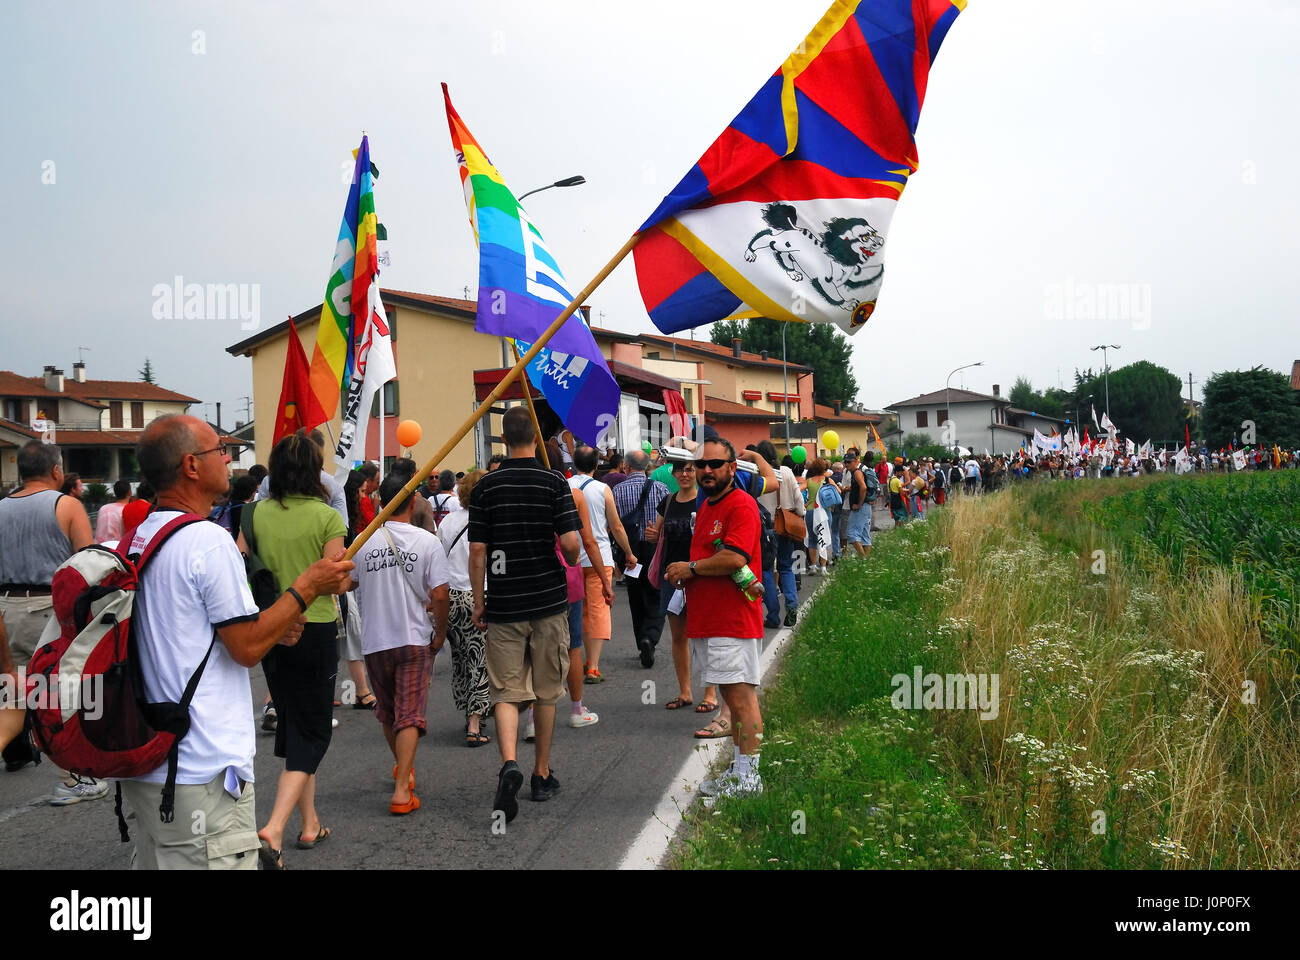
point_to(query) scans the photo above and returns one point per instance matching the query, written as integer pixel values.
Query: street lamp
(1103, 347)
(566, 182)
(946, 404)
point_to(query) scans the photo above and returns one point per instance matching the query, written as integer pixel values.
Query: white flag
(374, 368)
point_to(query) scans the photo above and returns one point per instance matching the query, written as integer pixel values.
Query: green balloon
(799, 454)
(645, 445)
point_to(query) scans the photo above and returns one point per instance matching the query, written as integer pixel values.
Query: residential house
(980, 421)
(96, 423)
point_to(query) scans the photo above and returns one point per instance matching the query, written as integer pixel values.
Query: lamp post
(1103, 347)
(566, 182)
(947, 405)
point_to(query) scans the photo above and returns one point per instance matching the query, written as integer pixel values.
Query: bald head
(163, 445)
(637, 461)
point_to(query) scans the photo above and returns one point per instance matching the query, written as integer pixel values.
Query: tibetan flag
(786, 214)
(355, 251)
(299, 408)
(521, 291)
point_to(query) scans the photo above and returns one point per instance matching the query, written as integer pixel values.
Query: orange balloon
(409, 433)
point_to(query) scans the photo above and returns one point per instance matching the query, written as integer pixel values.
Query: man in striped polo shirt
(516, 514)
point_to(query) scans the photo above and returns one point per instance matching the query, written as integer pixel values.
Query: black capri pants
(301, 681)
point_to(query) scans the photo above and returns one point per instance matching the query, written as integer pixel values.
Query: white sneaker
(747, 786)
(334, 723)
(530, 730)
(584, 719)
(82, 790)
(714, 787)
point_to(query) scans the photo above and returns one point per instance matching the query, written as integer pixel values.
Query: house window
(390, 400)
(942, 416)
(137, 414)
(749, 401)
(779, 406)
(16, 410)
(652, 355)
(794, 410)
(115, 414)
(688, 394)
(923, 418)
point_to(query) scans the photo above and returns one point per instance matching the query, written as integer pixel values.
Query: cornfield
(1246, 522)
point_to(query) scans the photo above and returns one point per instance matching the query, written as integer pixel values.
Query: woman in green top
(293, 529)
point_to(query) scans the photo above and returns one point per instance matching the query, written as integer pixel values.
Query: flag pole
(532, 411)
(491, 398)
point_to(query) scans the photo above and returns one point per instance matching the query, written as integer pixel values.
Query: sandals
(402, 809)
(477, 738)
(717, 728)
(706, 706)
(412, 784)
(268, 855)
(593, 676)
(368, 702)
(676, 703)
(320, 838)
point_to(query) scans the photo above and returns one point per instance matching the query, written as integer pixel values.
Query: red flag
(1187, 435)
(677, 415)
(299, 406)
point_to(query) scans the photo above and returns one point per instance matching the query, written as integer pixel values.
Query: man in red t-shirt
(725, 627)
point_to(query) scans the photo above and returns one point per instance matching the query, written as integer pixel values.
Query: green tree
(1146, 401)
(816, 345)
(146, 372)
(1236, 398)
(1052, 403)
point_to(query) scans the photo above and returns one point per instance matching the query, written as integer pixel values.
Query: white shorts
(726, 659)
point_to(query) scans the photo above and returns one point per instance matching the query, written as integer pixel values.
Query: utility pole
(1191, 402)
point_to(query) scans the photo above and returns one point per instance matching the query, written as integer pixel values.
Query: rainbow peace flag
(355, 264)
(521, 291)
(786, 214)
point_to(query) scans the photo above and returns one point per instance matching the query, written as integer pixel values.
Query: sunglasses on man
(711, 464)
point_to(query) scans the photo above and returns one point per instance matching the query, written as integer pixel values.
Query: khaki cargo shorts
(528, 660)
(211, 830)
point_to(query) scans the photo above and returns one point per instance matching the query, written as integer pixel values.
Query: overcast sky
(1113, 171)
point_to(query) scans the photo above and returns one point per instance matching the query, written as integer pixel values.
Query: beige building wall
(435, 355)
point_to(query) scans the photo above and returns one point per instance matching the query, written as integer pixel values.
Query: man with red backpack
(194, 615)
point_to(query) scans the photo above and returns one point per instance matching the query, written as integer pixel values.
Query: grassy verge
(1147, 713)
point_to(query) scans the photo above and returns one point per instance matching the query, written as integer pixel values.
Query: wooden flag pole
(492, 398)
(532, 411)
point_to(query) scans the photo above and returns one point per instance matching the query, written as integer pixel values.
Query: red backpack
(105, 728)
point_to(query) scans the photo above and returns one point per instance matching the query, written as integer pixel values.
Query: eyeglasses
(711, 464)
(204, 453)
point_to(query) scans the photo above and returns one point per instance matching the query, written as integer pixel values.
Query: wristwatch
(692, 566)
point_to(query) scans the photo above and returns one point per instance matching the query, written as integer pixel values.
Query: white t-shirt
(972, 470)
(444, 504)
(393, 590)
(594, 492)
(194, 583)
(458, 559)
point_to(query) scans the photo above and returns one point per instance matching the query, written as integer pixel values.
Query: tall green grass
(1148, 708)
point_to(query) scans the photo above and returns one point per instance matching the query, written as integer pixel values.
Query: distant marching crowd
(513, 567)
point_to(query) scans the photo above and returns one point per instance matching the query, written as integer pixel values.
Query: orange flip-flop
(402, 809)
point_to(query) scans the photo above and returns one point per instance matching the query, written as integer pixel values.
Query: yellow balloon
(831, 440)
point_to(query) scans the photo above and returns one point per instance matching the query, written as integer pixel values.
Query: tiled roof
(90, 392)
(823, 412)
(717, 407)
(954, 396)
(16, 427)
(717, 351)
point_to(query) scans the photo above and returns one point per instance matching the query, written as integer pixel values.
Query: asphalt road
(612, 776)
